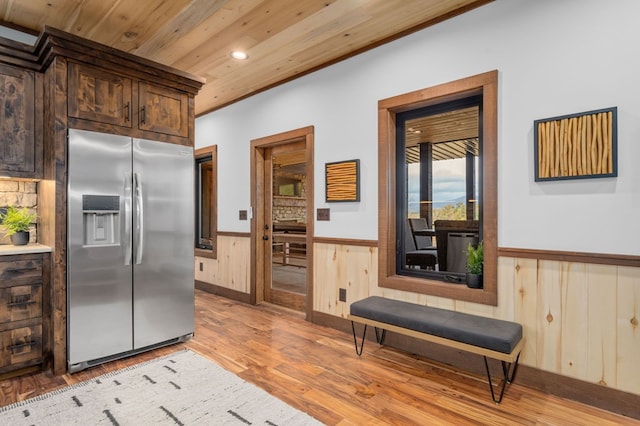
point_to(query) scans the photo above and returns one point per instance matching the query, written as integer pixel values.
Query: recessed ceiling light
(238, 54)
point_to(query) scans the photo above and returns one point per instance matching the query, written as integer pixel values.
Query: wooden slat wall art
(343, 181)
(576, 146)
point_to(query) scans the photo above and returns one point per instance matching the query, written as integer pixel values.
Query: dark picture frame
(576, 146)
(342, 181)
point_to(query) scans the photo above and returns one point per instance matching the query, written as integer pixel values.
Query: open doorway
(282, 227)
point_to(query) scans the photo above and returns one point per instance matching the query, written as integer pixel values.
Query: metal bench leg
(507, 378)
(355, 339)
(380, 336)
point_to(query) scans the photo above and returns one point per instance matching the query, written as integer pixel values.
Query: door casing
(259, 148)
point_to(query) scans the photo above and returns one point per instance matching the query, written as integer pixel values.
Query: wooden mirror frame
(485, 84)
(209, 152)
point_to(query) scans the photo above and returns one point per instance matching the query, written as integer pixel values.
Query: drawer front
(22, 346)
(20, 270)
(20, 303)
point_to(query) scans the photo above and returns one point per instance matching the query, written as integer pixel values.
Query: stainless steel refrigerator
(130, 258)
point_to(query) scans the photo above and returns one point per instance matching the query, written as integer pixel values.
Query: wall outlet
(343, 295)
(323, 214)
(201, 267)
(242, 215)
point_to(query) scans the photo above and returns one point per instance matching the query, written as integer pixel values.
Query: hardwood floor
(315, 369)
(289, 278)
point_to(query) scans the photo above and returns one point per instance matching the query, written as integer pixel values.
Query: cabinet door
(100, 96)
(17, 122)
(163, 110)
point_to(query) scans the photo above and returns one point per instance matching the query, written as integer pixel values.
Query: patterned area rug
(178, 389)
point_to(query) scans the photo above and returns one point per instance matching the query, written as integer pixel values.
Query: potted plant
(475, 263)
(17, 222)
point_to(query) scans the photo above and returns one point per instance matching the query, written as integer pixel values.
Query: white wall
(554, 58)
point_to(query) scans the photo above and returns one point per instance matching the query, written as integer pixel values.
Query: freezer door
(99, 276)
(163, 234)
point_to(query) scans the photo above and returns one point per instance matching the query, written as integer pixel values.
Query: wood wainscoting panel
(337, 266)
(440, 302)
(628, 329)
(525, 282)
(580, 320)
(575, 326)
(231, 269)
(602, 323)
(507, 294)
(549, 316)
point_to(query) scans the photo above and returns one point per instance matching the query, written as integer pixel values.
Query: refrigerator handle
(126, 235)
(139, 218)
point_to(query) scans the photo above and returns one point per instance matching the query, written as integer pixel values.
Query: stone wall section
(19, 194)
(286, 209)
(289, 209)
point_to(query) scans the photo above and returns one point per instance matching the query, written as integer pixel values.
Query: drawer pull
(22, 345)
(14, 270)
(24, 303)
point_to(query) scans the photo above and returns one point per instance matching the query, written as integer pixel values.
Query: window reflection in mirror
(205, 173)
(439, 181)
(206, 181)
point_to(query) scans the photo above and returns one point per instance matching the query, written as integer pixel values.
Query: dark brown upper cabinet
(21, 147)
(162, 110)
(97, 95)
(112, 99)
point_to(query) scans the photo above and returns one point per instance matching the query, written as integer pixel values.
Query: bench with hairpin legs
(491, 338)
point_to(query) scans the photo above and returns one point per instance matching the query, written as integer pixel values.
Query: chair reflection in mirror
(420, 251)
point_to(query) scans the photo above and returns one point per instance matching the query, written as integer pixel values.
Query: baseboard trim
(223, 291)
(616, 401)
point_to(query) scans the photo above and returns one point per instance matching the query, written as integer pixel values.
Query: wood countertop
(9, 249)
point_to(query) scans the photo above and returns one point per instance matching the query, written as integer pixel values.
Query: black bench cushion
(488, 333)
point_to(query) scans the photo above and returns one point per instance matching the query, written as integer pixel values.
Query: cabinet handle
(14, 270)
(143, 115)
(21, 345)
(25, 303)
(126, 112)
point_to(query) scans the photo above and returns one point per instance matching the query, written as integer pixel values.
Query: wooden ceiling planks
(262, 36)
(204, 33)
(284, 38)
(445, 127)
(179, 27)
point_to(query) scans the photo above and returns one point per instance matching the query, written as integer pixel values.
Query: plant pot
(20, 238)
(474, 281)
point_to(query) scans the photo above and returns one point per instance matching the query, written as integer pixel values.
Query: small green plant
(17, 220)
(475, 259)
